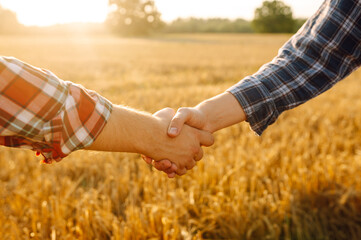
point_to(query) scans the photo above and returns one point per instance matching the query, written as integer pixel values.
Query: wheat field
(299, 180)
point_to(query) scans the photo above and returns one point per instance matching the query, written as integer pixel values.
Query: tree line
(141, 17)
(138, 17)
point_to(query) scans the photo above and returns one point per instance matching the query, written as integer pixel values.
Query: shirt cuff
(257, 103)
(84, 115)
(77, 125)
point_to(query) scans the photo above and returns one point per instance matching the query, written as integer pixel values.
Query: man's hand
(191, 116)
(211, 115)
(187, 145)
(179, 119)
(129, 130)
(164, 165)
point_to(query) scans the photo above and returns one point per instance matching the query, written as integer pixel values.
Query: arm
(40, 111)
(323, 52)
(210, 115)
(131, 131)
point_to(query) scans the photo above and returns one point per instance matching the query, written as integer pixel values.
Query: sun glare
(49, 12)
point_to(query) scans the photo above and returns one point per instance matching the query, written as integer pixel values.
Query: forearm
(322, 53)
(221, 111)
(127, 130)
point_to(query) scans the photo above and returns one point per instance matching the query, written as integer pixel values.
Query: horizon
(47, 13)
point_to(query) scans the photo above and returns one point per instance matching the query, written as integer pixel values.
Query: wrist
(153, 136)
(146, 143)
(128, 130)
(204, 112)
(221, 111)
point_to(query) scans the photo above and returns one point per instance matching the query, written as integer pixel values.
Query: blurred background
(144, 17)
(299, 180)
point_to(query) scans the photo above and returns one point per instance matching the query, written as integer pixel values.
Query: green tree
(273, 17)
(8, 22)
(210, 25)
(133, 17)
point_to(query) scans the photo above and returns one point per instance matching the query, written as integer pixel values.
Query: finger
(162, 165)
(147, 159)
(169, 171)
(172, 175)
(190, 165)
(177, 122)
(199, 155)
(173, 168)
(206, 138)
(181, 172)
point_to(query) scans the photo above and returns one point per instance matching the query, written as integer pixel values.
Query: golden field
(300, 180)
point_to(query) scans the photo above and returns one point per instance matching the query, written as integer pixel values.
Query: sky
(49, 12)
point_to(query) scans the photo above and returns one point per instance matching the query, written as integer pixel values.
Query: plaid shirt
(324, 51)
(39, 111)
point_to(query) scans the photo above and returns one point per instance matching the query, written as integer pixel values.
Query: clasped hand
(189, 126)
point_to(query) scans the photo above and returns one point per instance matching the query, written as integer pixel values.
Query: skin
(210, 115)
(132, 131)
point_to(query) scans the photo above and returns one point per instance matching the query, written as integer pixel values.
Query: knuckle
(161, 165)
(168, 171)
(183, 110)
(191, 165)
(164, 164)
(174, 167)
(195, 150)
(181, 165)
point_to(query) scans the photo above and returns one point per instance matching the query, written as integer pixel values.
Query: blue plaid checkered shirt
(324, 51)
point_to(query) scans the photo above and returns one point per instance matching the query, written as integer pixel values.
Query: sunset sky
(48, 12)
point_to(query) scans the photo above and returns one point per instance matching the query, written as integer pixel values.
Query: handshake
(171, 142)
(188, 140)
(191, 128)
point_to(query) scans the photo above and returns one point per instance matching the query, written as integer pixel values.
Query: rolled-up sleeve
(324, 51)
(41, 112)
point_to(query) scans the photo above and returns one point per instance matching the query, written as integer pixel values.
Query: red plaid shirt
(39, 111)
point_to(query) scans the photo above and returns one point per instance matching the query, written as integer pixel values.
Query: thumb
(189, 116)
